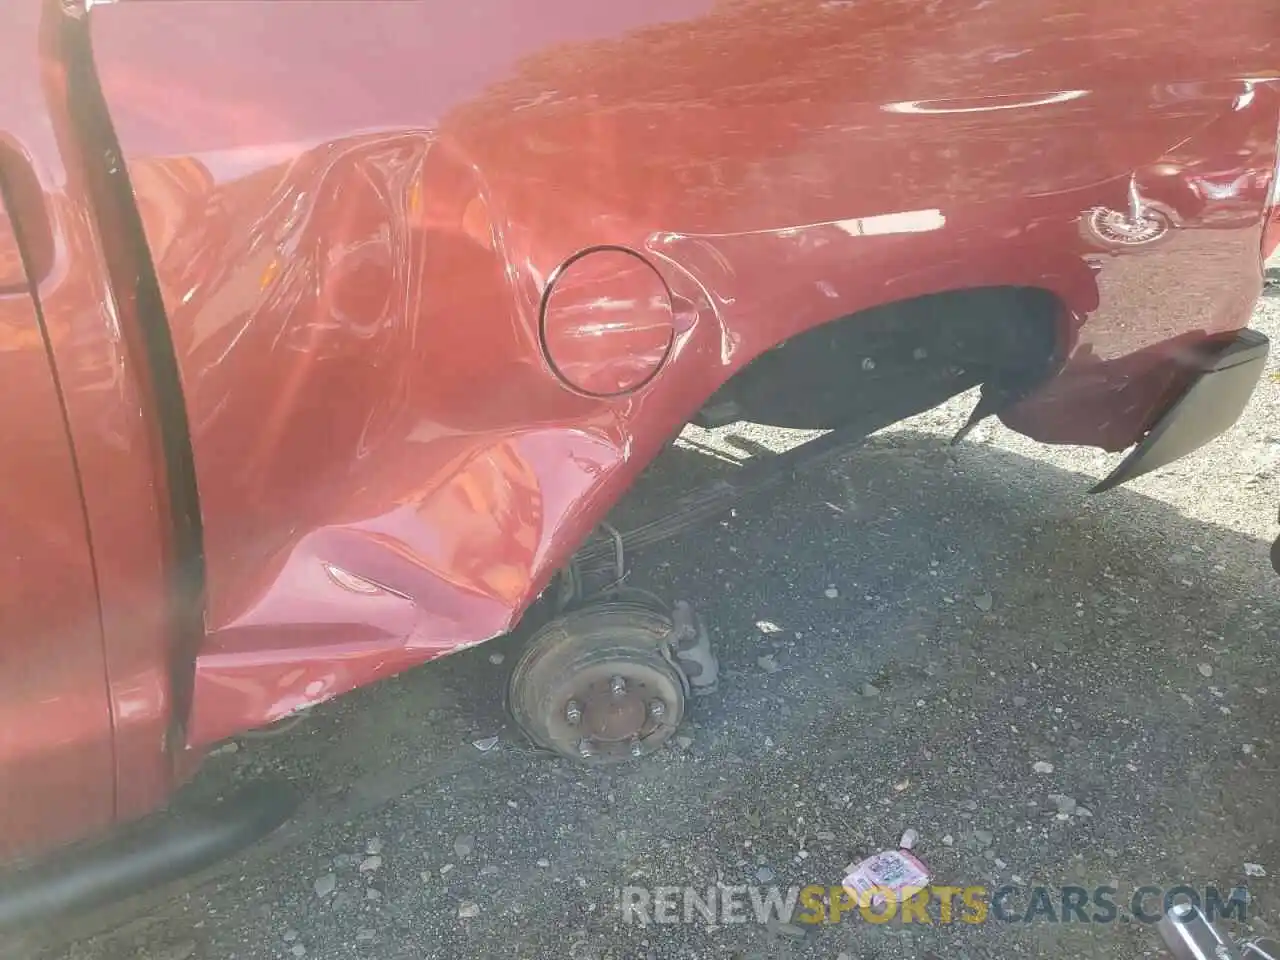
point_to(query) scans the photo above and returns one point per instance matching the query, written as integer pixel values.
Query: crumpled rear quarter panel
(354, 209)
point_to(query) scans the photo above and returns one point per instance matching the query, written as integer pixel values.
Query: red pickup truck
(330, 332)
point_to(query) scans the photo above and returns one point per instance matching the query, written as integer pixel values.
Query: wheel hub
(611, 714)
(600, 683)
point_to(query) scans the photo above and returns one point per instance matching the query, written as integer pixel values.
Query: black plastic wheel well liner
(899, 358)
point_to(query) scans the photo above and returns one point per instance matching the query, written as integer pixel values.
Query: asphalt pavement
(1054, 690)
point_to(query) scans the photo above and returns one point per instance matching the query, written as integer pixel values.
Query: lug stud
(573, 712)
(618, 686)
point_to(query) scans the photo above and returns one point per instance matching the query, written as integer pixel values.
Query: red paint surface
(55, 724)
(354, 215)
(13, 277)
(76, 662)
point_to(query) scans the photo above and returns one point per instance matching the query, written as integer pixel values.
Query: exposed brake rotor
(608, 681)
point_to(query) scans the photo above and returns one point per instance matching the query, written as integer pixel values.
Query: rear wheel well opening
(893, 361)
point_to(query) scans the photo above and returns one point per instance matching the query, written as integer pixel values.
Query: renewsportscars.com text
(935, 904)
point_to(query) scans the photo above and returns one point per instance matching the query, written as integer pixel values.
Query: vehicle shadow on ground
(904, 634)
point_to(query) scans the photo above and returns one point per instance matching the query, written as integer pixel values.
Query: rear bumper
(1211, 403)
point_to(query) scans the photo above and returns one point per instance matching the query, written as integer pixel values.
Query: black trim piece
(108, 180)
(1210, 405)
(145, 855)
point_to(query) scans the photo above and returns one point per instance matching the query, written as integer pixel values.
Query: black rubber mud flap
(1213, 402)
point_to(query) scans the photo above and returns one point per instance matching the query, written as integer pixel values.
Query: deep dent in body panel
(455, 470)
